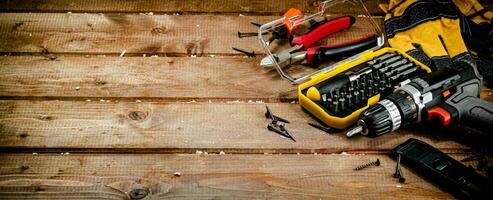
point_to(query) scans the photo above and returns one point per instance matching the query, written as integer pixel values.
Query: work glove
(441, 32)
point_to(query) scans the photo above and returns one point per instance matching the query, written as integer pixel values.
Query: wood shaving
(123, 53)
(235, 101)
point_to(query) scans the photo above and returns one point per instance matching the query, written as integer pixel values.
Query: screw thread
(374, 163)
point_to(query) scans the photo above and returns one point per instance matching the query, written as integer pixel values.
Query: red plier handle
(329, 27)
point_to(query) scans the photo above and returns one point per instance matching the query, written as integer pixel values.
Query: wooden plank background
(79, 122)
(227, 176)
(247, 7)
(176, 127)
(112, 33)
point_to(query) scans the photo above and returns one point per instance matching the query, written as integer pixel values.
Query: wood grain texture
(487, 94)
(257, 7)
(207, 177)
(136, 34)
(176, 127)
(173, 78)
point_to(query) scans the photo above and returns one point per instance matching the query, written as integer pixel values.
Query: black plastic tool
(443, 170)
(319, 127)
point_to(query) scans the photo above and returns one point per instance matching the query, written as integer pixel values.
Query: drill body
(447, 96)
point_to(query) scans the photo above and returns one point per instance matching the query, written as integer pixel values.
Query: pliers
(302, 49)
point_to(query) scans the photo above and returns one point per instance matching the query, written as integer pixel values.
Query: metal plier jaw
(285, 57)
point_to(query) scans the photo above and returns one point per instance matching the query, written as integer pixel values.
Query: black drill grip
(468, 109)
(479, 114)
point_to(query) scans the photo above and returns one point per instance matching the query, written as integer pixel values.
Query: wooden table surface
(79, 122)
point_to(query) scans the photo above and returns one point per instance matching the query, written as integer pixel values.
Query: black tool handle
(443, 170)
(479, 113)
(466, 108)
(317, 55)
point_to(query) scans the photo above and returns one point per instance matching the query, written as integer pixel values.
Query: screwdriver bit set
(337, 97)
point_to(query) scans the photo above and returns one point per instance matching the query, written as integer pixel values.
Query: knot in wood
(138, 193)
(45, 117)
(158, 30)
(100, 82)
(137, 115)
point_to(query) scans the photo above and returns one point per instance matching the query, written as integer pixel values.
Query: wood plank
(157, 79)
(207, 177)
(197, 35)
(59, 126)
(172, 78)
(257, 7)
(487, 94)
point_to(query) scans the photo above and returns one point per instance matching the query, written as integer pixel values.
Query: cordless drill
(447, 96)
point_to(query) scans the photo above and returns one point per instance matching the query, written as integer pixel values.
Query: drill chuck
(380, 119)
(396, 110)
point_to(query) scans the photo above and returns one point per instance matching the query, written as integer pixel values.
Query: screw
(283, 128)
(256, 24)
(398, 173)
(374, 163)
(398, 166)
(248, 34)
(241, 35)
(138, 193)
(249, 54)
(269, 113)
(277, 118)
(274, 129)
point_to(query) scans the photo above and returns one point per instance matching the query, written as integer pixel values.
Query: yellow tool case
(311, 100)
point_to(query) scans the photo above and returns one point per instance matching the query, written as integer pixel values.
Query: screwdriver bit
(342, 103)
(381, 58)
(319, 127)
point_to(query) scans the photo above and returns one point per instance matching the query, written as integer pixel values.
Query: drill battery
(337, 97)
